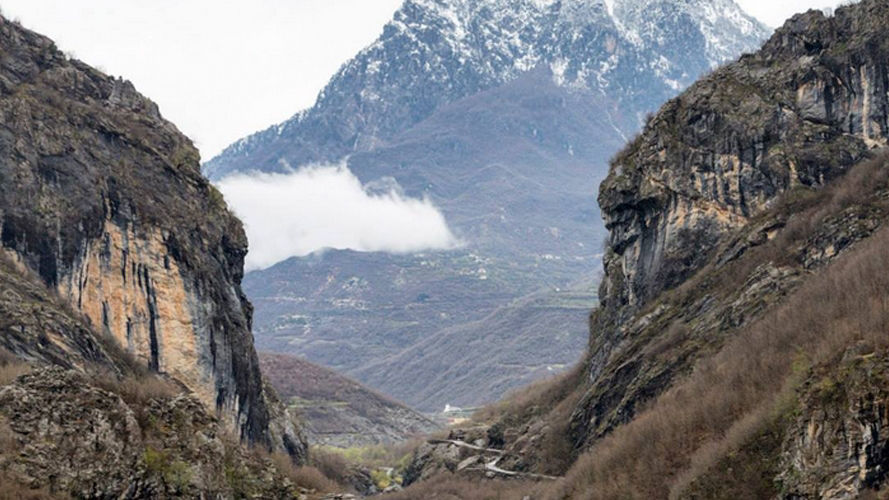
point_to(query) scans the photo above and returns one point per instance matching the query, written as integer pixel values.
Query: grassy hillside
(338, 411)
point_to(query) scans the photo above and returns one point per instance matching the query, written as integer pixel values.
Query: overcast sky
(222, 69)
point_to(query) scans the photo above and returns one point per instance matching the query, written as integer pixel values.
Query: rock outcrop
(795, 115)
(73, 437)
(104, 201)
(839, 443)
(799, 112)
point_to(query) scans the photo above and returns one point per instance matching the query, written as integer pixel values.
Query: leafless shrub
(331, 464)
(11, 367)
(447, 486)
(313, 479)
(727, 396)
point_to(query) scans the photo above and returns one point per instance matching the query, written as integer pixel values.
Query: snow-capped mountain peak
(634, 52)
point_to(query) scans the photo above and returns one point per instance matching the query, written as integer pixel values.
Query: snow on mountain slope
(433, 52)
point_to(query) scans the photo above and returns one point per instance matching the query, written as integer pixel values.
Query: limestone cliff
(797, 114)
(103, 199)
(800, 111)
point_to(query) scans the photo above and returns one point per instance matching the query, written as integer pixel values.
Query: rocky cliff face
(797, 113)
(711, 177)
(104, 201)
(838, 445)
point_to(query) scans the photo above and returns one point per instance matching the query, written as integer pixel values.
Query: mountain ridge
(337, 411)
(579, 40)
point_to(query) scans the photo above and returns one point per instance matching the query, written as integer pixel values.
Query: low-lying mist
(317, 207)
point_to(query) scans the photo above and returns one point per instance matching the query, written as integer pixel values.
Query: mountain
(487, 109)
(127, 366)
(739, 348)
(337, 411)
(435, 52)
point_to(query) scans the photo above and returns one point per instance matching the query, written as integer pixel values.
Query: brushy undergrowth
(735, 395)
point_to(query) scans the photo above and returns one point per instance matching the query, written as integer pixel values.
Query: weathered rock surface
(75, 438)
(439, 456)
(797, 113)
(717, 214)
(39, 327)
(699, 187)
(839, 443)
(103, 200)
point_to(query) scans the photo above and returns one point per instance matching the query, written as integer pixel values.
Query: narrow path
(464, 444)
(492, 465)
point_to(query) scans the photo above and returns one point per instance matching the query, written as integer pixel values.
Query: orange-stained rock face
(128, 286)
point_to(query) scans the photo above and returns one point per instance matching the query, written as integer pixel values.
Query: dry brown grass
(137, 389)
(736, 392)
(307, 476)
(552, 399)
(448, 486)
(331, 464)
(874, 495)
(535, 399)
(11, 367)
(9, 445)
(313, 479)
(855, 189)
(12, 489)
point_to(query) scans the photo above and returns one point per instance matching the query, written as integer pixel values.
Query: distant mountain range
(504, 113)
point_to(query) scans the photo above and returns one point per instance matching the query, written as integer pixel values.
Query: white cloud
(319, 207)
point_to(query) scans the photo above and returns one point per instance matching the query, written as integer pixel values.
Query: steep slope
(338, 411)
(479, 361)
(739, 348)
(486, 108)
(84, 434)
(797, 114)
(104, 201)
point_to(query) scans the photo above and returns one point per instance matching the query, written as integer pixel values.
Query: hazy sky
(222, 69)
